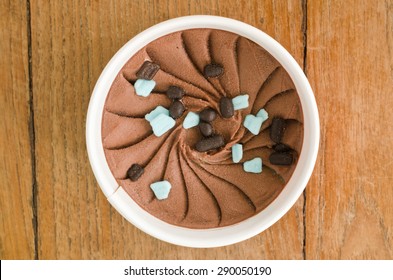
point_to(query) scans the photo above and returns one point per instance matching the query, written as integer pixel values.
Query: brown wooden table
(51, 54)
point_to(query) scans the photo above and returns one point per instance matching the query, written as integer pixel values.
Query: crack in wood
(32, 133)
(304, 31)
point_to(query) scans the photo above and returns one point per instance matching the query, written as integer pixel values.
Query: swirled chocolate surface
(208, 189)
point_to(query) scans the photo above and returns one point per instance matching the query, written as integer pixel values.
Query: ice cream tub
(218, 236)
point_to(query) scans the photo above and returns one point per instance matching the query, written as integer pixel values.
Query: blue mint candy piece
(253, 166)
(191, 120)
(161, 124)
(157, 111)
(237, 152)
(240, 102)
(263, 114)
(161, 189)
(144, 87)
(253, 124)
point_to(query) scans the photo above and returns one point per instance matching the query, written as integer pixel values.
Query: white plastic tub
(204, 237)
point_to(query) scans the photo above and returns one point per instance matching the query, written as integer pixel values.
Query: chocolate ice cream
(202, 69)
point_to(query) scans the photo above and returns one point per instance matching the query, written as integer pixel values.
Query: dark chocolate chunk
(175, 92)
(147, 71)
(211, 143)
(226, 107)
(213, 70)
(134, 172)
(208, 115)
(277, 129)
(277, 158)
(280, 147)
(206, 129)
(176, 109)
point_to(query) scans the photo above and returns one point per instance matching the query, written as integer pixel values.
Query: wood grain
(350, 66)
(16, 211)
(71, 43)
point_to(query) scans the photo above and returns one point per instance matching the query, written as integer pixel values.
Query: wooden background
(51, 54)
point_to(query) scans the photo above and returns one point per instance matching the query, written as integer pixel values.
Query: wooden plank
(350, 65)
(16, 195)
(72, 41)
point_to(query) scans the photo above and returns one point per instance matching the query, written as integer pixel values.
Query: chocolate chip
(226, 107)
(211, 143)
(213, 70)
(280, 147)
(277, 129)
(134, 172)
(206, 129)
(176, 109)
(147, 71)
(277, 158)
(208, 115)
(175, 92)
